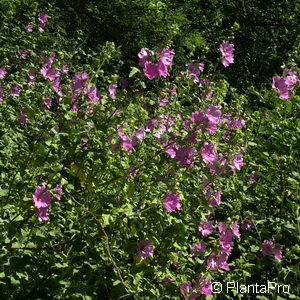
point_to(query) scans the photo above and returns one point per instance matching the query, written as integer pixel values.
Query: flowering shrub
(152, 185)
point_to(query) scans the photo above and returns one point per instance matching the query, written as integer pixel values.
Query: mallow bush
(152, 185)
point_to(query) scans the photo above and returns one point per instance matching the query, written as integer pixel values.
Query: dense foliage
(148, 148)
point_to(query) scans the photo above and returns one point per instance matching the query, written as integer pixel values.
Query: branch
(109, 252)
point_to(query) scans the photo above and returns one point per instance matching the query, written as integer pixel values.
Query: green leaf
(133, 71)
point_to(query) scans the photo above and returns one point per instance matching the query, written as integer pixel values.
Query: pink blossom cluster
(233, 123)
(112, 89)
(42, 20)
(165, 96)
(213, 197)
(194, 70)
(205, 228)
(145, 248)
(219, 260)
(50, 72)
(198, 248)
(15, 90)
(269, 248)
(42, 199)
(79, 86)
(172, 202)
(285, 84)
(22, 117)
(201, 286)
(128, 141)
(183, 154)
(206, 121)
(153, 70)
(227, 50)
(217, 163)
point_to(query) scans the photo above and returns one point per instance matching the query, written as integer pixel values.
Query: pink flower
(237, 162)
(253, 177)
(31, 74)
(235, 228)
(22, 117)
(269, 248)
(41, 197)
(247, 224)
(235, 124)
(48, 102)
(150, 70)
(168, 279)
(215, 200)
(42, 214)
(205, 228)
(226, 241)
(218, 166)
(185, 154)
(92, 93)
(218, 261)
(166, 56)
(213, 114)
(29, 27)
(90, 109)
(227, 50)
(2, 72)
(133, 171)
(144, 55)
(185, 290)
(140, 133)
(43, 18)
(127, 143)
(50, 59)
(192, 291)
(49, 72)
(22, 53)
(15, 90)
(65, 69)
(198, 117)
(41, 27)
(280, 84)
(56, 86)
(58, 192)
(112, 89)
(285, 84)
(42, 201)
(172, 202)
(165, 61)
(222, 227)
(163, 101)
(145, 248)
(194, 70)
(197, 248)
(56, 128)
(171, 150)
(74, 107)
(208, 152)
(203, 285)
(79, 80)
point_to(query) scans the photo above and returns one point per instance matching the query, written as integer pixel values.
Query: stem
(107, 246)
